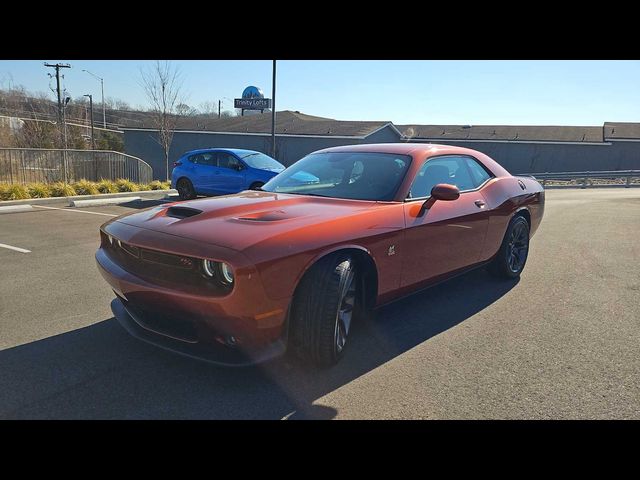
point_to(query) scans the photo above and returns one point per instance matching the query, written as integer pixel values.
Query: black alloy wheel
(185, 189)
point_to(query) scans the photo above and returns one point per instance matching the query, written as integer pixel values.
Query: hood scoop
(269, 216)
(182, 212)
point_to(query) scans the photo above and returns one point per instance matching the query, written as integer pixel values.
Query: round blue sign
(252, 92)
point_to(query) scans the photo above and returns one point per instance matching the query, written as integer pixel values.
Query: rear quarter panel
(505, 197)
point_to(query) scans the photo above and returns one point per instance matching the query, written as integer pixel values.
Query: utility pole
(93, 141)
(58, 66)
(273, 112)
(61, 119)
(219, 102)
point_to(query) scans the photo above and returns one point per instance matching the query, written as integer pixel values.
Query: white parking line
(17, 249)
(75, 211)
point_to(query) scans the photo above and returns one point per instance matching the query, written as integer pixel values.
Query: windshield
(358, 176)
(262, 162)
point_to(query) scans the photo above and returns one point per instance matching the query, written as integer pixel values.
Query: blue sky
(428, 92)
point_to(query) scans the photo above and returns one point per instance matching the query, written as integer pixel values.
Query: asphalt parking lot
(560, 343)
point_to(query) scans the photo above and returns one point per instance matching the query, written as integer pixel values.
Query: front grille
(164, 269)
(174, 326)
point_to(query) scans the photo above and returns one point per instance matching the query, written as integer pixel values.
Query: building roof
(287, 122)
(620, 130)
(503, 132)
(295, 123)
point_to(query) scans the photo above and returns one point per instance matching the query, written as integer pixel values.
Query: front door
(450, 235)
(204, 171)
(230, 176)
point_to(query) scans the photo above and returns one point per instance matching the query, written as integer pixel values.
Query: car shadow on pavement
(100, 372)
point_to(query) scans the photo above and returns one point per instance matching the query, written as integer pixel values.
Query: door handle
(479, 203)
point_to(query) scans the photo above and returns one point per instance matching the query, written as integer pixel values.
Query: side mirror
(442, 191)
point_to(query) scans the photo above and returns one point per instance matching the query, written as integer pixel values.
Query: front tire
(185, 189)
(323, 310)
(512, 256)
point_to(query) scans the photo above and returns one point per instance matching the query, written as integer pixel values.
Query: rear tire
(512, 256)
(324, 309)
(185, 189)
(256, 185)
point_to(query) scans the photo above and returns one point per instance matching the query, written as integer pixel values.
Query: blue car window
(226, 160)
(207, 159)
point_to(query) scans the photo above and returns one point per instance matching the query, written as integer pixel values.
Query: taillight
(177, 164)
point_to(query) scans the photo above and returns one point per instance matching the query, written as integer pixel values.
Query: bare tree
(185, 110)
(208, 108)
(163, 86)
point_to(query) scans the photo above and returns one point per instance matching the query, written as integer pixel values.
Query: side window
(234, 163)
(450, 169)
(208, 158)
(195, 159)
(226, 160)
(479, 174)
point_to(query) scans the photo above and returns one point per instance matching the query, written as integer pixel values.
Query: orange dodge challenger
(242, 278)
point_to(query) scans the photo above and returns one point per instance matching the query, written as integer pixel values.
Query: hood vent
(182, 212)
(270, 216)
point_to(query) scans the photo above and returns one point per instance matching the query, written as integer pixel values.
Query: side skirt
(411, 290)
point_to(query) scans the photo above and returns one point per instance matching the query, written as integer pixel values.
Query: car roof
(238, 151)
(405, 148)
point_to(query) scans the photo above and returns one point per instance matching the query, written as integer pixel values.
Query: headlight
(209, 267)
(227, 273)
(222, 271)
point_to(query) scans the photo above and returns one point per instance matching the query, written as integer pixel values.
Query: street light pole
(273, 112)
(93, 142)
(104, 115)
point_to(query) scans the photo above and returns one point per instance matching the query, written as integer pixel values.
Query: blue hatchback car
(219, 171)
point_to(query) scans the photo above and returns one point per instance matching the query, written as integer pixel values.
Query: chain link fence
(25, 165)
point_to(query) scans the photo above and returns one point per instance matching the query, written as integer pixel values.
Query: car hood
(244, 219)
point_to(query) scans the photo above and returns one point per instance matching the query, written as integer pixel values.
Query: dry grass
(125, 185)
(85, 187)
(60, 189)
(14, 191)
(38, 190)
(107, 186)
(158, 185)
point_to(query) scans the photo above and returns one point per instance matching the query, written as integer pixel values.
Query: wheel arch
(523, 212)
(184, 177)
(364, 260)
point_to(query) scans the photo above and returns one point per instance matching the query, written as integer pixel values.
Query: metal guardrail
(586, 178)
(24, 165)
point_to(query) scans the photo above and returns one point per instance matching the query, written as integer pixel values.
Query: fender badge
(392, 250)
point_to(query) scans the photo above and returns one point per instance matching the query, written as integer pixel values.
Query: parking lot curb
(147, 195)
(96, 202)
(15, 208)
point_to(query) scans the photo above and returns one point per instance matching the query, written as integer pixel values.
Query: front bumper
(216, 354)
(190, 320)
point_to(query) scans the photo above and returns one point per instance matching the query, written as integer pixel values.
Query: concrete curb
(148, 195)
(15, 208)
(96, 202)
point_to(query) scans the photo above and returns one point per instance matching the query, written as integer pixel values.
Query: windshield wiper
(310, 194)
